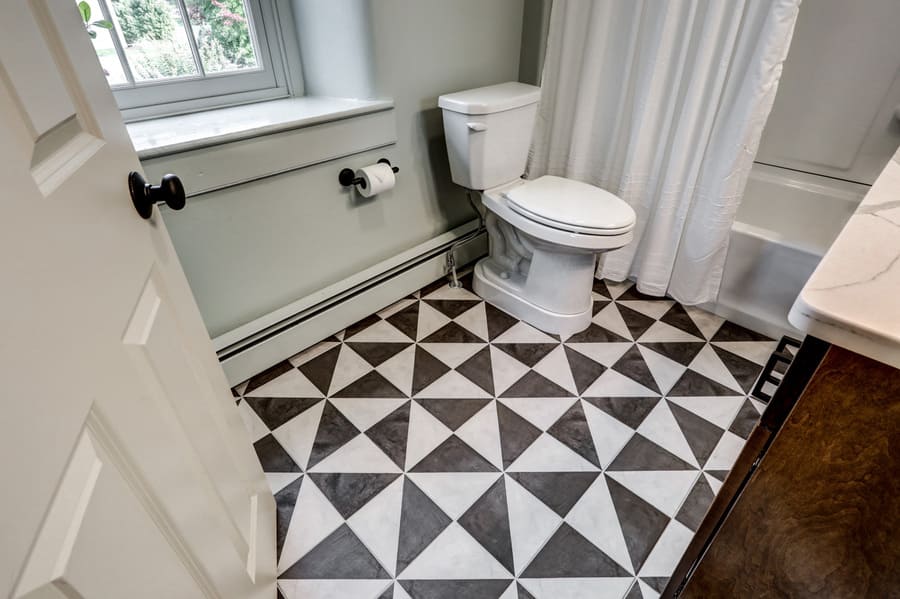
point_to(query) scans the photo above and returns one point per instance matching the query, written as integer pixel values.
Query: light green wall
(256, 247)
(535, 24)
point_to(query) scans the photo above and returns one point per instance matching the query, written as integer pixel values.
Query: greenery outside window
(171, 56)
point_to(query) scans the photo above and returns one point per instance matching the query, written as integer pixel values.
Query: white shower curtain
(662, 102)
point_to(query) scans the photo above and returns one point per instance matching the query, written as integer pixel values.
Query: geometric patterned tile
(273, 457)
(285, 500)
(334, 431)
(610, 320)
(349, 492)
(453, 589)
(678, 317)
(487, 520)
(569, 555)
(531, 523)
(633, 365)
(391, 434)
(455, 554)
(421, 521)
(681, 352)
(275, 411)
(744, 371)
(628, 410)
(642, 524)
(745, 420)
(341, 555)
(636, 322)
(695, 504)
(576, 588)
(734, 332)
(516, 434)
(266, 376)
(702, 436)
(453, 412)
(558, 490)
(584, 370)
(399, 474)
(572, 430)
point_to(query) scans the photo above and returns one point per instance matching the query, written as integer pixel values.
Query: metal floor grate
(773, 372)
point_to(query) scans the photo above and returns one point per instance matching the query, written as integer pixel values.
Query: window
(169, 56)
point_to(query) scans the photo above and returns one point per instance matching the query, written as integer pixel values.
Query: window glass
(155, 39)
(223, 33)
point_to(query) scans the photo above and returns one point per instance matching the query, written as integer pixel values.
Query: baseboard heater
(290, 334)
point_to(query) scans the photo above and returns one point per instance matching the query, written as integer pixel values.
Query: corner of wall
(535, 25)
(335, 39)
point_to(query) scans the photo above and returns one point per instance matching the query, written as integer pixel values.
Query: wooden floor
(821, 516)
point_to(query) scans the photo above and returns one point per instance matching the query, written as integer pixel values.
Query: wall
(834, 114)
(535, 25)
(256, 247)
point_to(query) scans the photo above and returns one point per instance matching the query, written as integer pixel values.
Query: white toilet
(545, 234)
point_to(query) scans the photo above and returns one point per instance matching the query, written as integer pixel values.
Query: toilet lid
(571, 205)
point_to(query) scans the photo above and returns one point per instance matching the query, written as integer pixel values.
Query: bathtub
(786, 222)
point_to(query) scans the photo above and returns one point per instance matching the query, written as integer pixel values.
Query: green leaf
(103, 23)
(85, 9)
(92, 33)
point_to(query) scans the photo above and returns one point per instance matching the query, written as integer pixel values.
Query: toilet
(545, 234)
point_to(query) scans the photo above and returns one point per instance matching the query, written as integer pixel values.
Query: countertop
(853, 297)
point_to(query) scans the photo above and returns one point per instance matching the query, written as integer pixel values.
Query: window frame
(276, 77)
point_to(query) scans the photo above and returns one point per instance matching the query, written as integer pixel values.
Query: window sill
(170, 135)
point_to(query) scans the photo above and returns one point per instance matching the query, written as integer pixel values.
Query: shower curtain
(662, 103)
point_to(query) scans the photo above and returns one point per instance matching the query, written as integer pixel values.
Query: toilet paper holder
(347, 177)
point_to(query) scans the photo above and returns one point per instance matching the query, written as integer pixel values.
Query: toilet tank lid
(493, 98)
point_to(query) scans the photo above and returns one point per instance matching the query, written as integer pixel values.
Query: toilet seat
(495, 200)
(570, 205)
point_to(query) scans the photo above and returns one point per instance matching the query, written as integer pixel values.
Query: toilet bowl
(542, 257)
(544, 234)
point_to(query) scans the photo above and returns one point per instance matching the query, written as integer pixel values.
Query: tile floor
(443, 449)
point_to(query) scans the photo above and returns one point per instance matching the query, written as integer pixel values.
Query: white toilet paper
(376, 178)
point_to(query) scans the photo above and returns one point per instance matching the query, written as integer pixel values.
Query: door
(125, 468)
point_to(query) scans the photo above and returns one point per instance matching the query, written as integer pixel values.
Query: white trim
(338, 306)
(277, 74)
(741, 316)
(243, 333)
(227, 164)
(170, 135)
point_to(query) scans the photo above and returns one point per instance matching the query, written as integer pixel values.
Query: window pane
(156, 42)
(103, 45)
(224, 37)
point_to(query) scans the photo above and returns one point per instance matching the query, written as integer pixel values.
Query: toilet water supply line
(451, 253)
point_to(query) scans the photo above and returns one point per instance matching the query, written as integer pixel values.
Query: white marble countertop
(168, 135)
(853, 297)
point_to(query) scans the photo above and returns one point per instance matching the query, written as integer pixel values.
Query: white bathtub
(786, 222)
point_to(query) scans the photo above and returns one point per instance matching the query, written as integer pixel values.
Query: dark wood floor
(821, 515)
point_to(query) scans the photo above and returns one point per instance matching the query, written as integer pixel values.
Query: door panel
(94, 514)
(126, 468)
(169, 370)
(60, 123)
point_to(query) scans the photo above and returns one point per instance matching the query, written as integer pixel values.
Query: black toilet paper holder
(347, 177)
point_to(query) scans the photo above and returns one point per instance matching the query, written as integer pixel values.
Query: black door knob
(144, 196)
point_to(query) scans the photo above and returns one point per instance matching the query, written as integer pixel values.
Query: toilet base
(498, 292)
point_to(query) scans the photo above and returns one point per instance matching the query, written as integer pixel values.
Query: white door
(125, 468)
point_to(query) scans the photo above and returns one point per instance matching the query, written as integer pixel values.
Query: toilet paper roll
(376, 178)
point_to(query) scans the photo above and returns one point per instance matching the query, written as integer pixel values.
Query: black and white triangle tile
(441, 448)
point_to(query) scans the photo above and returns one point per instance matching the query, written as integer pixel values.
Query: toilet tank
(489, 131)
